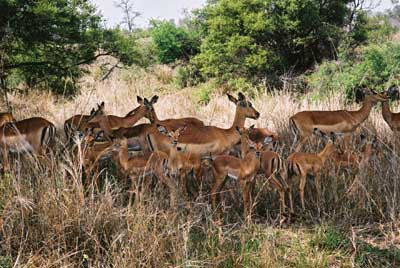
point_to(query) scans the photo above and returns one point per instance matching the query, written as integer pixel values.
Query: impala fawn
(242, 170)
(301, 164)
(272, 166)
(181, 162)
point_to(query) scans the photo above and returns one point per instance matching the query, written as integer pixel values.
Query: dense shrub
(253, 39)
(377, 67)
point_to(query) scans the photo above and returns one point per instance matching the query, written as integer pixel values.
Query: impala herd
(178, 150)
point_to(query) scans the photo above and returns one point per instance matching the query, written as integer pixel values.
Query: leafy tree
(45, 42)
(264, 37)
(173, 42)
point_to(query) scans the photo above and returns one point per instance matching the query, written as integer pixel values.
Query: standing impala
(172, 123)
(5, 118)
(271, 165)
(79, 122)
(303, 123)
(392, 119)
(301, 164)
(109, 123)
(181, 162)
(32, 135)
(242, 170)
(208, 139)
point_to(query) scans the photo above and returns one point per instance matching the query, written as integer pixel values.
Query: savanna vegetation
(58, 59)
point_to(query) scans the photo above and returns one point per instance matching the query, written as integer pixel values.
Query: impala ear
(232, 98)
(154, 99)
(93, 111)
(162, 129)
(181, 129)
(146, 101)
(101, 106)
(241, 96)
(139, 99)
(268, 140)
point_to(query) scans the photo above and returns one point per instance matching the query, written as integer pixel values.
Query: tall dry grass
(49, 219)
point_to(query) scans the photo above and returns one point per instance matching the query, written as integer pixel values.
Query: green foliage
(188, 75)
(254, 38)
(5, 262)
(45, 42)
(172, 42)
(377, 67)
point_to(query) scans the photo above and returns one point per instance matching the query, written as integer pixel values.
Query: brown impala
(392, 119)
(303, 123)
(32, 135)
(171, 124)
(79, 122)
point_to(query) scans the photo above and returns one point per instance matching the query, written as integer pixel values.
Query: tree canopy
(45, 42)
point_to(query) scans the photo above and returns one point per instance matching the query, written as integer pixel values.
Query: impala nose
(258, 154)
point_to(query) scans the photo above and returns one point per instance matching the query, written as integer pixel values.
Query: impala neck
(362, 114)
(132, 119)
(387, 115)
(244, 147)
(326, 152)
(123, 156)
(239, 119)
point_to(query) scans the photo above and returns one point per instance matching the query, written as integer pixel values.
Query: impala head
(149, 112)
(244, 106)
(393, 93)
(374, 97)
(172, 135)
(256, 147)
(98, 111)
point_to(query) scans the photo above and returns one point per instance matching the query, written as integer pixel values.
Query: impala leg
(219, 181)
(183, 176)
(278, 186)
(302, 185)
(318, 186)
(245, 190)
(6, 163)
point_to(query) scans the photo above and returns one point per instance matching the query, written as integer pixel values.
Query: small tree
(130, 14)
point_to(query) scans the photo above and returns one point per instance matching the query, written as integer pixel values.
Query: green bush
(376, 67)
(253, 39)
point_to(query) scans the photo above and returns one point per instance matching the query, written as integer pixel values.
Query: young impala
(271, 165)
(242, 170)
(156, 164)
(79, 122)
(303, 123)
(181, 162)
(32, 135)
(302, 164)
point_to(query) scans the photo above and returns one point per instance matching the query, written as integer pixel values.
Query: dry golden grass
(48, 219)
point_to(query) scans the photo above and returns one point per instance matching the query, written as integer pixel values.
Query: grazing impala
(32, 135)
(79, 122)
(303, 123)
(301, 164)
(171, 124)
(5, 118)
(181, 162)
(242, 170)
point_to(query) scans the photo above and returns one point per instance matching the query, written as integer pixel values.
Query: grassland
(48, 219)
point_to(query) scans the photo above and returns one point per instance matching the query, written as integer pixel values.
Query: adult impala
(392, 119)
(172, 123)
(303, 123)
(32, 135)
(79, 122)
(208, 139)
(109, 123)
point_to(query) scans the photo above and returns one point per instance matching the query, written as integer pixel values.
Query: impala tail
(48, 136)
